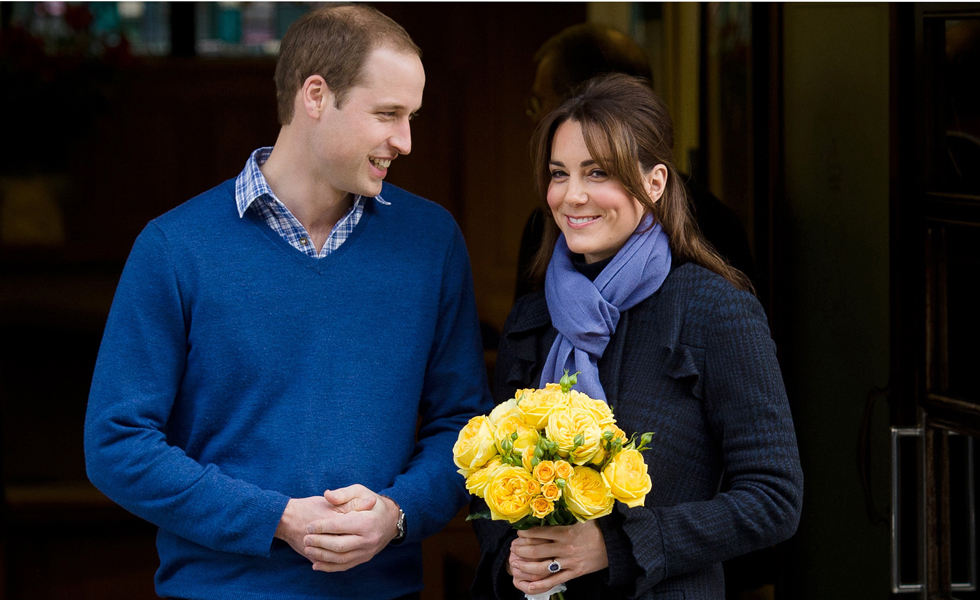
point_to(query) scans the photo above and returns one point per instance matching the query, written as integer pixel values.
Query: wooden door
(935, 321)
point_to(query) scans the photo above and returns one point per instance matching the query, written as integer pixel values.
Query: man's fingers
(337, 544)
(348, 523)
(325, 560)
(359, 497)
(336, 567)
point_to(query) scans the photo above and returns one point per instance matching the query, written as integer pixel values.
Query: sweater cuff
(503, 584)
(622, 570)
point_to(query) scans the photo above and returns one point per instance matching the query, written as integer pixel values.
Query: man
(565, 62)
(275, 342)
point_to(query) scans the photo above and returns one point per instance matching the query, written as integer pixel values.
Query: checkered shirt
(251, 189)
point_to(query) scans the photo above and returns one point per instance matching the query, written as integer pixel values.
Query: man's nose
(401, 140)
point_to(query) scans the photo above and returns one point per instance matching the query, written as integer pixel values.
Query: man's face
(357, 142)
(543, 98)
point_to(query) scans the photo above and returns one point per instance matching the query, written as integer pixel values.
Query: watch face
(401, 524)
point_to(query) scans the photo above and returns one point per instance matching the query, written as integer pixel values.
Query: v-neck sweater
(237, 372)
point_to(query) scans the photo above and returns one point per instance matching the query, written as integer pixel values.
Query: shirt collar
(251, 183)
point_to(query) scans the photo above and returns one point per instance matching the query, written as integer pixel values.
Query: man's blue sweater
(236, 373)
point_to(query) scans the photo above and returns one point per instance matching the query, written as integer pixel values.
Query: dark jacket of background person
(695, 364)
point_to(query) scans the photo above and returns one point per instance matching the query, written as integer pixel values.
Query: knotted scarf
(586, 313)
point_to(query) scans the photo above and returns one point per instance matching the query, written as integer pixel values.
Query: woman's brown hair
(628, 131)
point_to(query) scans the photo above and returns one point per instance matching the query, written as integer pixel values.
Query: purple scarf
(585, 313)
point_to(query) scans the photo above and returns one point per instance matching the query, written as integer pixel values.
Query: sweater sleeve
(430, 491)
(136, 381)
(747, 409)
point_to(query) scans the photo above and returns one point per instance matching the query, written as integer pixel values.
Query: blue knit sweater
(236, 373)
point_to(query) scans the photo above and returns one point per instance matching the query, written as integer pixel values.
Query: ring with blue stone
(554, 566)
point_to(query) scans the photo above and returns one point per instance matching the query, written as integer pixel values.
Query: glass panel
(94, 30)
(959, 103)
(907, 508)
(962, 318)
(244, 28)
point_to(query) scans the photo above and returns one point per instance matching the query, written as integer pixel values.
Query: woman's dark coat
(695, 364)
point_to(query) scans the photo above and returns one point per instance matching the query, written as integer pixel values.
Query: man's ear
(655, 182)
(315, 96)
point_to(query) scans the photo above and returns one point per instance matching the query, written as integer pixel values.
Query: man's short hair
(334, 43)
(581, 52)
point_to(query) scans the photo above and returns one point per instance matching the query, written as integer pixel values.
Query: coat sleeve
(136, 380)
(430, 491)
(491, 581)
(745, 403)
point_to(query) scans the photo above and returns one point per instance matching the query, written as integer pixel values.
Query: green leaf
(485, 514)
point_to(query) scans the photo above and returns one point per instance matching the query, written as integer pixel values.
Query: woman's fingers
(533, 551)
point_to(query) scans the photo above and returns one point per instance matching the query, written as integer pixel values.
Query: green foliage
(567, 381)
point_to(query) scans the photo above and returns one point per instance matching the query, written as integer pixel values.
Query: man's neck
(292, 177)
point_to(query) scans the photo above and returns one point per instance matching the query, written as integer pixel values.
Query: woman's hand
(579, 549)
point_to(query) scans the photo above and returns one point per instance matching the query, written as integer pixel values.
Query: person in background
(665, 330)
(565, 62)
(290, 356)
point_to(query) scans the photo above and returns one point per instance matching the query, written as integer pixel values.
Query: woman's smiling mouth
(580, 221)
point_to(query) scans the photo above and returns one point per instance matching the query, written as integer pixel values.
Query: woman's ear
(315, 96)
(655, 182)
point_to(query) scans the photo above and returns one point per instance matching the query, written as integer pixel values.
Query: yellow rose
(565, 425)
(508, 494)
(545, 471)
(477, 482)
(526, 437)
(526, 457)
(627, 478)
(563, 470)
(534, 488)
(475, 446)
(586, 494)
(551, 491)
(537, 405)
(599, 409)
(541, 507)
(618, 433)
(502, 410)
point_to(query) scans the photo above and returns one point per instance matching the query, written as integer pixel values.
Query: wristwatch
(400, 525)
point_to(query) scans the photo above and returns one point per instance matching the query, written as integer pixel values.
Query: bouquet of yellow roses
(551, 456)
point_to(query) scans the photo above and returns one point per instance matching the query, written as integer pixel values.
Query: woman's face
(592, 209)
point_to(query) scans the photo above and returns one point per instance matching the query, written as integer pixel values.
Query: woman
(660, 326)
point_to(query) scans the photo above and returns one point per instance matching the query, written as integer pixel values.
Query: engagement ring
(554, 566)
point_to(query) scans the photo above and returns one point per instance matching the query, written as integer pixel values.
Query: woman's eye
(598, 174)
(557, 174)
